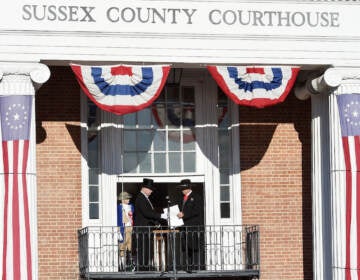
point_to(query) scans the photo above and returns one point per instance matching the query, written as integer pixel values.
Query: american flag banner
(349, 112)
(255, 86)
(122, 89)
(15, 114)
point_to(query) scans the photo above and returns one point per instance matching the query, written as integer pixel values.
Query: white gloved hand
(163, 216)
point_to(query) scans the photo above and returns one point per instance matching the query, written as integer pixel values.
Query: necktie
(185, 198)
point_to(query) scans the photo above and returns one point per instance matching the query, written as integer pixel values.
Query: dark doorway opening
(179, 247)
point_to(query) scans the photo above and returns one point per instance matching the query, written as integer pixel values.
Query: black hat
(184, 184)
(148, 183)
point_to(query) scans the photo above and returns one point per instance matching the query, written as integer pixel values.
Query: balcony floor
(243, 274)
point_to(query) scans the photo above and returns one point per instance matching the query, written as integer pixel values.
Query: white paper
(174, 220)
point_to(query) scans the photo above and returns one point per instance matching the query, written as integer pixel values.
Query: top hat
(148, 183)
(184, 184)
(124, 195)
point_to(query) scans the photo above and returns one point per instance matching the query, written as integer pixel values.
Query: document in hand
(174, 220)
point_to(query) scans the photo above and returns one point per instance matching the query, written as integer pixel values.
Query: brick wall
(58, 175)
(275, 162)
(276, 185)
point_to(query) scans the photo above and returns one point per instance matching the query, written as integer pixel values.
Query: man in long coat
(145, 220)
(192, 234)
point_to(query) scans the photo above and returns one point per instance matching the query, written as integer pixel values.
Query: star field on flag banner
(349, 112)
(15, 113)
(255, 86)
(122, 89)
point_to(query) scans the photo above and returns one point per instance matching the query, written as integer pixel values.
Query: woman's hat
(124, 195)
(148, 183)
(184, 184)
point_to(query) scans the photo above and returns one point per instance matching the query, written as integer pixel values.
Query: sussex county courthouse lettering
(174, 16)
(179, 139)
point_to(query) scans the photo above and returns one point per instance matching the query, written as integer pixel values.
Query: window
(93, 138)
(224, 140)
(161, 138)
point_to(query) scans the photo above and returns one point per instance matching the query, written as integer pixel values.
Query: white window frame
(86, 221)
(197, 89)
(206, 173)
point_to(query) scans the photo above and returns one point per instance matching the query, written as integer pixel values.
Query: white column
(23, 79)
(328, 169)
(320, 187)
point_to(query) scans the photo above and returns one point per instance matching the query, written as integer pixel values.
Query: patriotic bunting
(255, 86)
(349, 112)
(15, 112)
(121, 89)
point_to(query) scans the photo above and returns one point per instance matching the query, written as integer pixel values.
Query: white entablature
(194, 32)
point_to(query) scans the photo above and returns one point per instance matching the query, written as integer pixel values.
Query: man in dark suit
(145, 219)
(192, 234)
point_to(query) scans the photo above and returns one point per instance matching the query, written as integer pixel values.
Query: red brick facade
(276, 181)
(276, 185)
(58, 175)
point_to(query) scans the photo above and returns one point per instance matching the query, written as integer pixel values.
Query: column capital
(328, 82)
(22, 78)
(38, 72)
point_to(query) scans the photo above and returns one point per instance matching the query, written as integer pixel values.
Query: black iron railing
(202, 249)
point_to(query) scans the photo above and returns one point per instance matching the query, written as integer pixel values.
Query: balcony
(186, 252)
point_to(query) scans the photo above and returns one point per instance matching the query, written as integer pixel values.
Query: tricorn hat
(148, 183)
(124, 195)
(184, 184)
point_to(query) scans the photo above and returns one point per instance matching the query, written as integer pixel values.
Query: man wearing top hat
(191, 211)
(145, 218)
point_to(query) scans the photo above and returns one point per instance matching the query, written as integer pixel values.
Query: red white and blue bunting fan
(255, 86)
(122, 89)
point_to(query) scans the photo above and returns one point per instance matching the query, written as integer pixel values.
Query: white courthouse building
(256, 102)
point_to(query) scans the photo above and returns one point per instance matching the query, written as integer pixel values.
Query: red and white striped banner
(15, 112)
(349, 112)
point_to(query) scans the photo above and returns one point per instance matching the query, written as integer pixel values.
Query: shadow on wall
(74, 131)
(257, 127)
(58, 100)
(255, 138)
(40, 132)
(302, 125)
